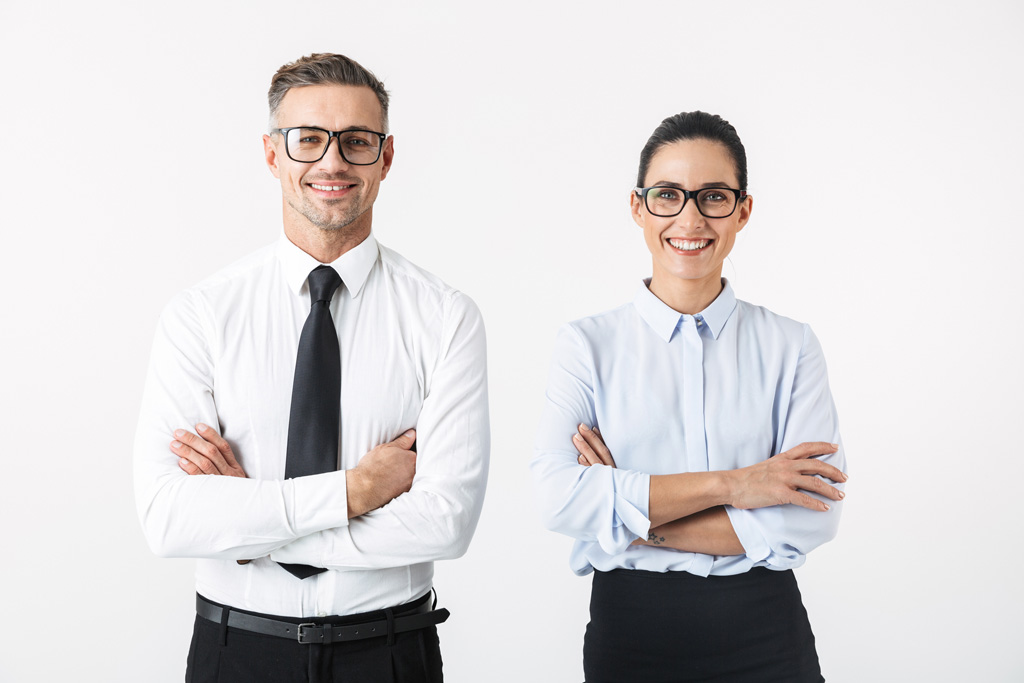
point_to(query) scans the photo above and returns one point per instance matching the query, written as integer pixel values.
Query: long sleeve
(211, 516)
(437, 517)
(599, 504)
(781, 536)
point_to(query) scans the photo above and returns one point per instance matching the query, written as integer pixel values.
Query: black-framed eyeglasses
(309, 145)
(712, 202)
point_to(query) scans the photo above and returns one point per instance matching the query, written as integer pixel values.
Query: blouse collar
(664, 320)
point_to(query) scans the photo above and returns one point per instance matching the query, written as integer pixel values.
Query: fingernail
(175, 444)
(409, 432)
(841, 495)
(835, 445)
(182, 461)
(827, 508)
(584, 427)
(201, 427)
(179, 433)
(577, 437)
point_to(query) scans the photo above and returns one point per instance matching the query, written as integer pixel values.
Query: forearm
(234, 518)
(709, 532)
(426, 524)
(678, 496)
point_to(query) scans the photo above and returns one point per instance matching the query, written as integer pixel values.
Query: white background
(885, 153)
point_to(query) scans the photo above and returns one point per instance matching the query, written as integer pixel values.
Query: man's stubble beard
(322, 219)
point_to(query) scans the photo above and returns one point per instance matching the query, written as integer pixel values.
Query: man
(342, 411)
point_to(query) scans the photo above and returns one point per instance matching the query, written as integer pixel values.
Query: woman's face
(690, 246)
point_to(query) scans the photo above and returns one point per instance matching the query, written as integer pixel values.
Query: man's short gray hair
(324, 68)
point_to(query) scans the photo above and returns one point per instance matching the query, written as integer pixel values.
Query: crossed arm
(687, 510)
(382, 475)
(394, 508)
(773, 512)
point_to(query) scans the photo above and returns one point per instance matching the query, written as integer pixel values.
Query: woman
(692, 528)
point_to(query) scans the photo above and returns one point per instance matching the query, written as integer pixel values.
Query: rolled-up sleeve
(781, 536)
(436, 518)
(599, 504)
(211, 516)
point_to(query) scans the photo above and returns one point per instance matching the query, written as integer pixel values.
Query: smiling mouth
(330, 188)
(688, 245)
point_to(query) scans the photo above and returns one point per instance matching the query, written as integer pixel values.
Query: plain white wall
(885, 152)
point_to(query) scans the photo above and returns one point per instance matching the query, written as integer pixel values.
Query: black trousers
(219, 654)
(675, 627)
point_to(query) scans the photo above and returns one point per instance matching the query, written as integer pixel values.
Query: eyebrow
(706, 186)
(346, 128)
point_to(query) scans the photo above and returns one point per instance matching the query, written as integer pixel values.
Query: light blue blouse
(723, 389)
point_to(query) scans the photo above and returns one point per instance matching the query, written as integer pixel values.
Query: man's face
(330, 194)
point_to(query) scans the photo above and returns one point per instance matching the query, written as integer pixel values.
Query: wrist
(355, 492)
(723, 487)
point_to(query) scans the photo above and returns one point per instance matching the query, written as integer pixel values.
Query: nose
(333, 159)
(690, 217)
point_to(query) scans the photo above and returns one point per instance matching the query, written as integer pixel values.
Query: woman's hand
(591, 447)
(782, 479)
(205, 454)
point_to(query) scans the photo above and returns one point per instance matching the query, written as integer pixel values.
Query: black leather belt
(421, 616)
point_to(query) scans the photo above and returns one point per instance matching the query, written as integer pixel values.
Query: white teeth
(328, 188)
(689, 245)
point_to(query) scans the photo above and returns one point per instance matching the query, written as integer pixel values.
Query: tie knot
(323, 280)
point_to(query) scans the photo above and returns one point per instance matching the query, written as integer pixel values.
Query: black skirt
(670, 627)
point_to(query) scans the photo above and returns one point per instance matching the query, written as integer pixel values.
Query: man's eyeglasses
(309, 145)
(712, 202)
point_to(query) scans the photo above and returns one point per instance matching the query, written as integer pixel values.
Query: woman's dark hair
(695, 125)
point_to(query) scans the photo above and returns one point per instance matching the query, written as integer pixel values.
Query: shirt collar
(664, 320)
(353, 266)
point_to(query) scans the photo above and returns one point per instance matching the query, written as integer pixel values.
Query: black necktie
(316, 393)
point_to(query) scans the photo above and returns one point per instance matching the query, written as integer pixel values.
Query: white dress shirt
(723, 389)
(412, 356)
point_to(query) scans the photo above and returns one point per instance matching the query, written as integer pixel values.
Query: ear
(388, 154)
(744, 210)
(636, 206)
(270, 153)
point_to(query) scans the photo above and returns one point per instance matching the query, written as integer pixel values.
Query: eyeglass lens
(357, 146)
(712, 202)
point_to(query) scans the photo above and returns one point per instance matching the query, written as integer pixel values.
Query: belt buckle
(302, 636)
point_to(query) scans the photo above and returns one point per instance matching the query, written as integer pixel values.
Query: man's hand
(382, 475)
(591, 447)
(206, 453)
(782, 479)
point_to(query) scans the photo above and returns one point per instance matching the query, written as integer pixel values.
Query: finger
(823, 469)
(806, 501)
(204, 448)
(219, 442)
(200, 463)
(821, 487)
(809, 449)
(583, 461)
(406, 440)
(188, 467)
(595, 441)
(586, 452)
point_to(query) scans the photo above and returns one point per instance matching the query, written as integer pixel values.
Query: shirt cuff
(319, 501)
(755, 545)
(630, 509)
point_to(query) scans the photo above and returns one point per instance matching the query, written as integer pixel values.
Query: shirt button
(321, 614)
